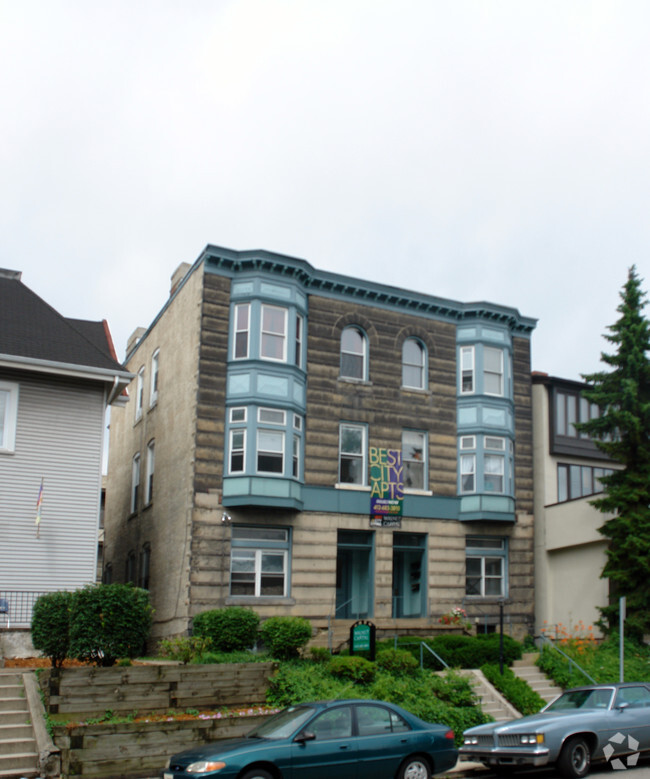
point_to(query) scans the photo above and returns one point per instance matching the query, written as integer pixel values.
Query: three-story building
(308, 443)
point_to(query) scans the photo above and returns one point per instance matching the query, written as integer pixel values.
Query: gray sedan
(608, 722)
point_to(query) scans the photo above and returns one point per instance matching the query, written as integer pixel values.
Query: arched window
(413, 364)
(354, 352)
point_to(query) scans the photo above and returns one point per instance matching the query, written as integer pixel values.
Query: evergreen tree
(622, 431)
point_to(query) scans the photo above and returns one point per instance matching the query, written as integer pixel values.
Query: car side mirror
(623, 705)
(305, 735)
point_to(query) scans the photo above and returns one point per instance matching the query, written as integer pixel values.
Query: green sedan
(349, 739)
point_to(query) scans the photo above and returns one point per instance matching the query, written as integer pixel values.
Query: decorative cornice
(231, 263)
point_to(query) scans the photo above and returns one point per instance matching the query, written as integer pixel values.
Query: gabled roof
(34, 336)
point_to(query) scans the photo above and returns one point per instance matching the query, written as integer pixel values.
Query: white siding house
(57, 377)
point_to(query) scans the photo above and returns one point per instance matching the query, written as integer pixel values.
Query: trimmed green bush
(515, 690)
(185, 649)
(232, 629)
(284, 637)
(108, 622)
(460, 651)
(51, 625)
(356, 669)
(397, 661)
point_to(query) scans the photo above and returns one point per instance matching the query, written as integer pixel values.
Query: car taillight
(450, 734)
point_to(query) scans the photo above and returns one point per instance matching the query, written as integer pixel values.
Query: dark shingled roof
(30, 328)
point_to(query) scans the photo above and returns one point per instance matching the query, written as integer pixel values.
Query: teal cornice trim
(229, 263)
(266, 502)
(337, 501)
(262, 491)
(487, 516)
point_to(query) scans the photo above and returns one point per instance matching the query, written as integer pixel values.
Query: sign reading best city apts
(386, 486)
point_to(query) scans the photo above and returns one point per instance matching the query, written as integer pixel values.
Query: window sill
(354, 487)
(417, 390)
(350, 380)
(426, 493)
(7, 451)
(266, 600)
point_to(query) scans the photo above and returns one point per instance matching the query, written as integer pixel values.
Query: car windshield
(283, 724)
(582, 699)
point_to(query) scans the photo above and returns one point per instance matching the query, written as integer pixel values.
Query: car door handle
(343, 746)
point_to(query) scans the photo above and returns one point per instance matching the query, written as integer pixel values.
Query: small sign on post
(362, 638)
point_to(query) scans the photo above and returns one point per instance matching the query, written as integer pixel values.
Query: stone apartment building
(312, 444)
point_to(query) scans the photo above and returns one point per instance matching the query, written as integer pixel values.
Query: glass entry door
(354, 575)
(409, 575)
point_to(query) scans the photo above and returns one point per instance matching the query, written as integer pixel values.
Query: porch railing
(16, 608)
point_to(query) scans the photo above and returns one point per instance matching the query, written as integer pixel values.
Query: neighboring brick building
(266, 393)
(569, 550)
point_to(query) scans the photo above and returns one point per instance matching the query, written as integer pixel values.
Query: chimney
(135, 336)
(178, 275)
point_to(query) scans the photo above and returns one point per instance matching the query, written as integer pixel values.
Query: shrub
(471, 651)
(298, 681)
(515, 690)
(318, 654)
(232, 629)
(109, 621)
(284, 637)
(184, 649)
(398, 662)
(51, 626)
(356, 669)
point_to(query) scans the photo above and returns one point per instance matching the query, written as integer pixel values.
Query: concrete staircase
(527, 670)
(18, 752)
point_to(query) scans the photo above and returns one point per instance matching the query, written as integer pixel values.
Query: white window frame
(259, 451)
(267, 333)
(360, 457)
(361, 355)
(245, 545)
(241, 329)
(271, 416)
(238, 415)
(237, 431)
(155, 369)
(295, 463)
(467, 369)
(300, 334)
(151, 467)
(497, 473)
(139, 393)
(421, 462)
(9, 420)
(419, 366)
(135, 482)
(499, 374)
(487, 554)
(467, 468)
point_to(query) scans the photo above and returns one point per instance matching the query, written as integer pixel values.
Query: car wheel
(414, 767)
(257, 773)
(575, 758)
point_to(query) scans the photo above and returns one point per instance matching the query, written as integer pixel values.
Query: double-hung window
(151, 464)
(494, 464)
(300, 323)
(413, 364)
(492, 371)
(145, 565)
(270, 442)
(273, 341)
(139, 394)
(467, 446)
(414, 459)
(354, 350)
(466, 370)
(352, 454)
(135, 482)
(8, 416)
(242, 328)
(485, 566)
(155, 361)
(258, 561)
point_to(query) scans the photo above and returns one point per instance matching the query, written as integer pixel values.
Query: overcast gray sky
(475, 150)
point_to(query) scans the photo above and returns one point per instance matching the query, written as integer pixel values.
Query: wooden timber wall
(137, 749)
(153, 688)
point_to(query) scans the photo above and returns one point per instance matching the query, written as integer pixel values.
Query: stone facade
(214, 529)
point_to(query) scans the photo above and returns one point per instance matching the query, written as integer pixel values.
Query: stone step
(13, 716)
(19, 731)
(16, 746)
(13, 704)
(19, 765)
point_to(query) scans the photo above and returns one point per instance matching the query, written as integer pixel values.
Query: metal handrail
(423, 645)
(572, 662)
